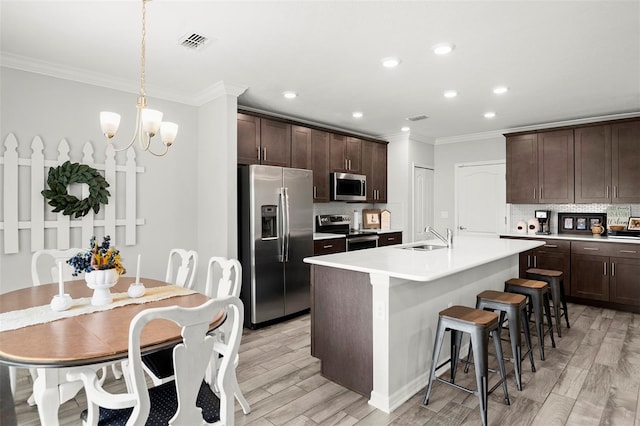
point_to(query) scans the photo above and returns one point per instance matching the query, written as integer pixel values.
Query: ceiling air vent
(194, 41)
(417, 118)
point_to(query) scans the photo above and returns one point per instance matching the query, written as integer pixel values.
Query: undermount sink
(424, 247)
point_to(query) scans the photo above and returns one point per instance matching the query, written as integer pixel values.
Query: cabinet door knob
(613, 269)
(551, 245)
(605, 268)
(264, 154)
(258, 154)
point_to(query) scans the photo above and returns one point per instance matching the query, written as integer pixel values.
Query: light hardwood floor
(591, 378)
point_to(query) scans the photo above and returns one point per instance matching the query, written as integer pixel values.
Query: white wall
(403, 152)
(35, 105)
(446, 156)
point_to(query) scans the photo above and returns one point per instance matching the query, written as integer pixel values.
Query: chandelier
(148, 121)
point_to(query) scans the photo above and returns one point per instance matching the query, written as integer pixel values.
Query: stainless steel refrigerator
(275, 232)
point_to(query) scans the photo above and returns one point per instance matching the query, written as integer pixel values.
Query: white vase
(101, 281)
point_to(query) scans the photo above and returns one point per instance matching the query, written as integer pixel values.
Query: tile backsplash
(525, 212)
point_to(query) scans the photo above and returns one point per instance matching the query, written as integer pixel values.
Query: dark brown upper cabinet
(275, 143)
(593, 164)
(248, 139)
(263, 141)
(555, 167)
(301, 151)
(320, 165)
(540, 167)
(625, 162)
(374, 167)
(345, 153)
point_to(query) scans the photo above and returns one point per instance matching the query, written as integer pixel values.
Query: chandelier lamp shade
(148, 121)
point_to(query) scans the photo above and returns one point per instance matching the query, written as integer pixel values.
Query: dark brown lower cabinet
(555, 255)
(389, 239)
(610, 272)
(624, 284)
(329, 246)
(589, 277)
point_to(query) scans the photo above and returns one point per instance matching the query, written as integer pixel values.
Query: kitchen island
(374, 312)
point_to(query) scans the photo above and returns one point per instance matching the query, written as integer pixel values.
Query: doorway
(422, 201)
(480, 198)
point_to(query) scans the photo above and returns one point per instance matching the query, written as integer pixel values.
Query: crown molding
(219, 89)
(84, 76)
(536, 127)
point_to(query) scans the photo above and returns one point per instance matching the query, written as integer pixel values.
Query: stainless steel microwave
(348, 187)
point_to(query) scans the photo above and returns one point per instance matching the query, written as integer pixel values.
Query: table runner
(42, 314)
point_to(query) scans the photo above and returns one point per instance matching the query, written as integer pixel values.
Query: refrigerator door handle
(281, 226)
(287, 229)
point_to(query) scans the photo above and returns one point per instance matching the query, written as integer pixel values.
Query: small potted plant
(102, 266)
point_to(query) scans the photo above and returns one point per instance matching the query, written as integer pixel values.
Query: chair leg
(479, 342)
(555, 297)
(456, 341)
(13, 378)
(503, 374)
(564, 304)
(246, 408)
(527, 336)
(547, 310)
(537, 315)
(437, 345)
(514, 338)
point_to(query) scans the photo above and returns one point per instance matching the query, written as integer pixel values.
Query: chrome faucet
(448, 241)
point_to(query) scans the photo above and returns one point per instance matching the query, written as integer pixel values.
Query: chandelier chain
(142, 57)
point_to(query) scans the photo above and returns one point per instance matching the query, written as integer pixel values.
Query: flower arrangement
(97, 257)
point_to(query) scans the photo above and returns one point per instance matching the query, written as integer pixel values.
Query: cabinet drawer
(332, 245)
(631, 251)
(556, 246)
(390, 239)
(606, 249)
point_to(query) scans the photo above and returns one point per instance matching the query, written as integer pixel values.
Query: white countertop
(326, 236)
(576, 237)
(420, 265)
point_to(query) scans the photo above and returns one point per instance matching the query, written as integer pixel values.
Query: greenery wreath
(62, 176)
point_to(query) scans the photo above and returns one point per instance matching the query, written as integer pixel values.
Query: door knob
(461, 228)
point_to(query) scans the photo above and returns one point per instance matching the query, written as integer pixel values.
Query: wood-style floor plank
(592, 377)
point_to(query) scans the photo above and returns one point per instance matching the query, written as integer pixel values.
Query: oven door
(362, 242)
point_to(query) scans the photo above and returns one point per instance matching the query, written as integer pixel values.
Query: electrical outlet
(379, 311)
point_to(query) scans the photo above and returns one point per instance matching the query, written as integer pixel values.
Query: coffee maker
(544, 219)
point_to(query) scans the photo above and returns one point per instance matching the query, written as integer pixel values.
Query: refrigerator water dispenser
(269, 222)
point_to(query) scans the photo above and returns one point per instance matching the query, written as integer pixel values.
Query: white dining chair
(157, 365)
(173, 403)
(229, 284)
(186, 270)
(44, 269)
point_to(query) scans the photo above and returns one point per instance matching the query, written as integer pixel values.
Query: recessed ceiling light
(290, 95)
(450, 94)
(443, 48)
(405, 129)
(357, 114)
(489, 114)
(499, 90)
(390, 62)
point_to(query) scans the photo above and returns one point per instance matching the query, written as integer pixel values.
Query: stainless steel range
(341, 224)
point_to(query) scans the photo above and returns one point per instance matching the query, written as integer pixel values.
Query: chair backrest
(230, 281)
(186, 272)
(44, 265)
(190, 358)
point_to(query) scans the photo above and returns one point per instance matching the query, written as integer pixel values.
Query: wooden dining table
(88, 339)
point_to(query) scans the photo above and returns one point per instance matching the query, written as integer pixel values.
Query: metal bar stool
(554, 279)
(479, 324)
(514, 306)
(538, 294)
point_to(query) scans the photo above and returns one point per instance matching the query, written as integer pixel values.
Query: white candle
(138, 271)
(60, 281)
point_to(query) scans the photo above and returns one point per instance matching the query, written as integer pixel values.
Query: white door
(481, 207)
(422, 201)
